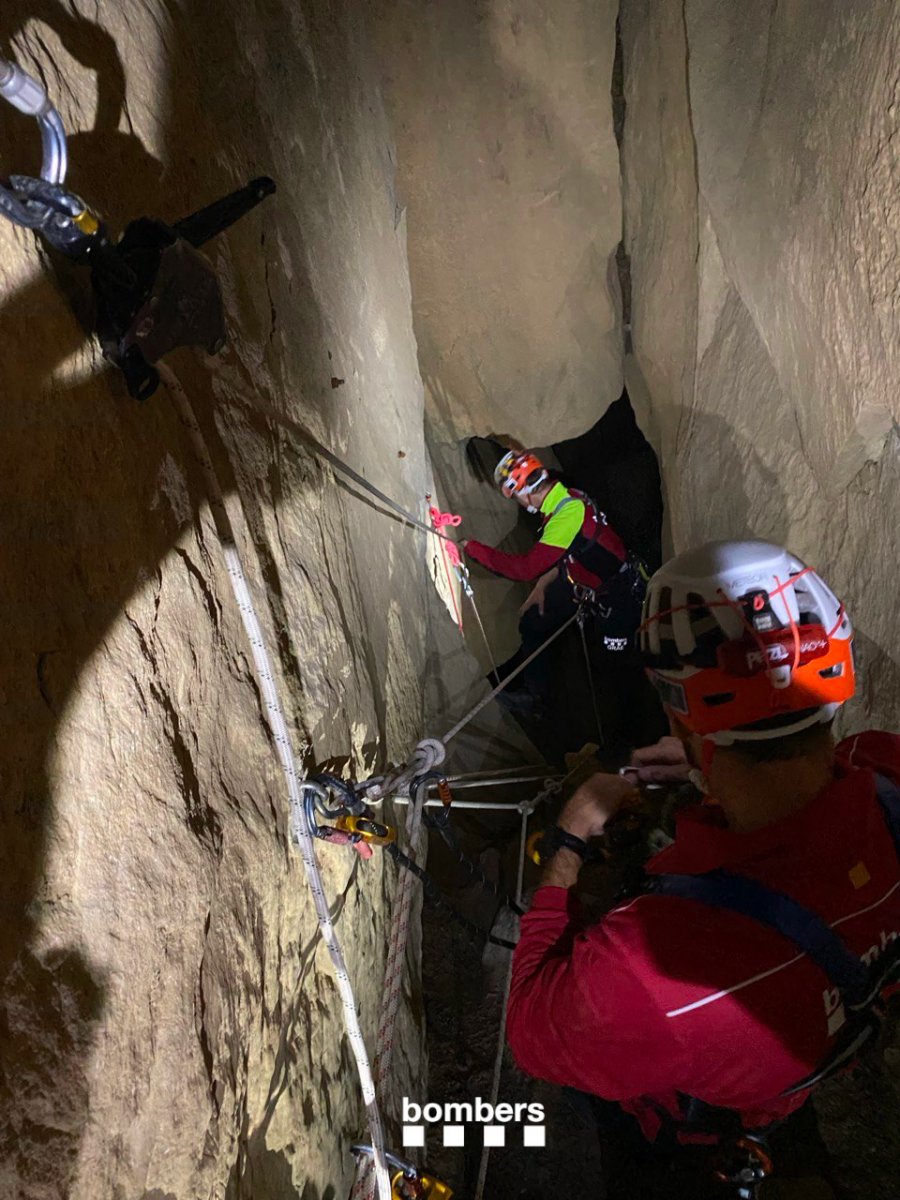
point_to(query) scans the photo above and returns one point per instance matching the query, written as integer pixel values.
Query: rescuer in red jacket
(753, 958)
(577, 552)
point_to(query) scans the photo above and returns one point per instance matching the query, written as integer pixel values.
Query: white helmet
(743, 634)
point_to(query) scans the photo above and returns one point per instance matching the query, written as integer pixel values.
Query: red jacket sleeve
(578, 1015)
(540, 558)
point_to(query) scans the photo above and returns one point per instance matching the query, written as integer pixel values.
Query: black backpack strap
(809, 933)
(860, 986)
(889, 798)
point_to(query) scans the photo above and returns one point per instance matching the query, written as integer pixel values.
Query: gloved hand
(664, 762)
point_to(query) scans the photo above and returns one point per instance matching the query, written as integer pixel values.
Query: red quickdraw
(441, 520)
(449, 551)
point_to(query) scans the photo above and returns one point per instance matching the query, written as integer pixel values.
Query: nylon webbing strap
(889, 798)
(786, 916)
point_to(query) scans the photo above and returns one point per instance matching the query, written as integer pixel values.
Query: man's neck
(753, 795)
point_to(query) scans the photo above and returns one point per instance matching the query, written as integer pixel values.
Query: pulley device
(153, 290)
(407, 1181)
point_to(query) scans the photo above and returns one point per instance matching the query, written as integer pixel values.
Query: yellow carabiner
(531, 847)
(419, 1187)
(366, 830)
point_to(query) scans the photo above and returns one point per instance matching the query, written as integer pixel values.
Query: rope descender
(153, 290)
(349, 822)
(407, 1181)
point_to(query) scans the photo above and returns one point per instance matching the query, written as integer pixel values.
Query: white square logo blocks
(453, 1119)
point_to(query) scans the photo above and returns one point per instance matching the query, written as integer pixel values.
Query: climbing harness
(300, 830)
(408, 1182)
(154, 291)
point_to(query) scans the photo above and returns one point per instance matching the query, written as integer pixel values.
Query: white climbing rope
(284, 750)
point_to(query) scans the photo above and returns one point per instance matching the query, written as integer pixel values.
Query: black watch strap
(557, 839)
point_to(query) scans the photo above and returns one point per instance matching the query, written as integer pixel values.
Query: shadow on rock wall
(79, 488)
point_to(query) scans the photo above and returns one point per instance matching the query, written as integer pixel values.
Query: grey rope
(590, 675)
(339, 465)
(473, 712)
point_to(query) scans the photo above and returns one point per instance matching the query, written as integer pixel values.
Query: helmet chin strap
(699, 776)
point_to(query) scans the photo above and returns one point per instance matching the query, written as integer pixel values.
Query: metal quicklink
(300, 830)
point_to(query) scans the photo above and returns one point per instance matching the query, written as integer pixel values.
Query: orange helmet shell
(519, 473)
(737, 633)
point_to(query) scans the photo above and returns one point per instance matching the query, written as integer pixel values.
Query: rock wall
(169, 1024)
(760, 180)
(508, 169)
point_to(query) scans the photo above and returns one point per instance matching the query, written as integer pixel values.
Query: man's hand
(599, 798)
(585, 815)
(666, 762)
(538, 592)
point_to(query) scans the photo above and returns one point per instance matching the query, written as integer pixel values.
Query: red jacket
(571, 532)
(668, 995)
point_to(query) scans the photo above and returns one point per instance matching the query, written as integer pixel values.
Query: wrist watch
(553, 839)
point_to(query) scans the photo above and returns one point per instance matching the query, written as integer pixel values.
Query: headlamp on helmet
(744, 642)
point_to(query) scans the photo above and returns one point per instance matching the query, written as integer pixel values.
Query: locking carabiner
(350, 820)
(408, 1182)
(364, 829)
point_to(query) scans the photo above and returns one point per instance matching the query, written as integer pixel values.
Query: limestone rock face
(508, 169)
(169, 1026)
(762, 222)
